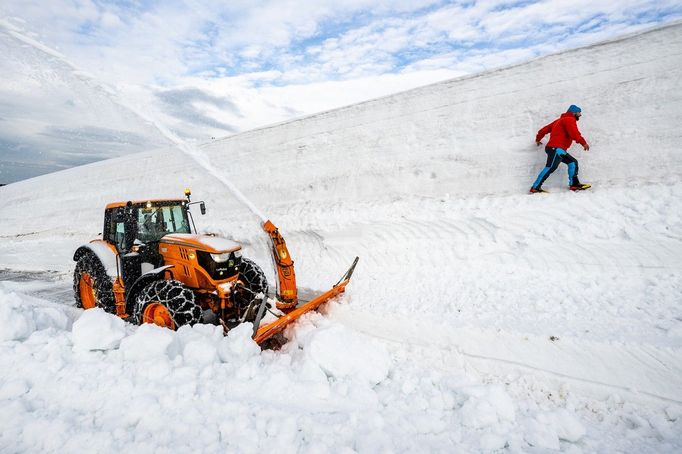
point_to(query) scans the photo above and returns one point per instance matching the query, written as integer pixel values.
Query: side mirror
(202, 207)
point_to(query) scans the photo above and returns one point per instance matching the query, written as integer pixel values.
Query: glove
(538, 143)
(586, 146)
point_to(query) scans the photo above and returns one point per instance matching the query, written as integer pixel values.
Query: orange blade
(267, 331)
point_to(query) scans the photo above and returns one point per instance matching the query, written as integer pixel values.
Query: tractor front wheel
(166, 303)
(92, 287)
(253, 278)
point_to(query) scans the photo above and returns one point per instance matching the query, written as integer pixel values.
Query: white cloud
(167, 41)
(110, 20)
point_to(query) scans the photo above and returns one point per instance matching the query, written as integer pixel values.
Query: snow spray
(190, 150)
(202, 159)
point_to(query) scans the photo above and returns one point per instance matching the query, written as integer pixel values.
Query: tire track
(642, 372)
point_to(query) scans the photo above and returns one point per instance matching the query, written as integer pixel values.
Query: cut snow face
(479, 317)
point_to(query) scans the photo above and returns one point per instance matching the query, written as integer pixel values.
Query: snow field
(479, 317)
(88, 379)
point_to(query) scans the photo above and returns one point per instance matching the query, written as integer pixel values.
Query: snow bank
(16, 322)
(21, 315)
(329, 389)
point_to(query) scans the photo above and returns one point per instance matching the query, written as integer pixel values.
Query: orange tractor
(151, 266)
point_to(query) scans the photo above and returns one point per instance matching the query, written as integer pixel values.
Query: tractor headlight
(221, 258)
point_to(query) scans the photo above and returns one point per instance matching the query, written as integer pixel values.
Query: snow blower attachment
(152, 267)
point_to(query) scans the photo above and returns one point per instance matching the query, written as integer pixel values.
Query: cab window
(116, 228)
(156, 221)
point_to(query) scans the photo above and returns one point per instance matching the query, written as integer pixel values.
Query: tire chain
(102, 285)
(178, 299)
(254, 281)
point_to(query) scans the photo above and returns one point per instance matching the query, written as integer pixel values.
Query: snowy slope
(479, 317)
(475, 135)
(53, 116)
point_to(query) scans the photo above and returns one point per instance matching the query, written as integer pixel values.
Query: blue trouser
(554, 157)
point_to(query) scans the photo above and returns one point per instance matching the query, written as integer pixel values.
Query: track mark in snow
(638, 370)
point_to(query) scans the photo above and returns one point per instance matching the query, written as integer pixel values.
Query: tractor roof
(143, 202)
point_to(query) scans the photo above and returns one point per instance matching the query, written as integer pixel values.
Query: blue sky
(212, 68)
(311, 41)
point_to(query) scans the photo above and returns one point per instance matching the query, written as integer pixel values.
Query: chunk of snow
(567, 425)
(487, 406)
(149, 342)
(341, 352)
(199, 343)
(200, 353)
(540, 434)
(238, 346)
(96, 329)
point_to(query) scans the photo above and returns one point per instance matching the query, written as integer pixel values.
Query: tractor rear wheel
(166, 303)
(92, 287)
(254, 281)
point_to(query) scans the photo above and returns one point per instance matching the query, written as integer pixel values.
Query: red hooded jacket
(563, 131)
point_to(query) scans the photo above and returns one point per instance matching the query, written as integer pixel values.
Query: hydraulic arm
(287, 295)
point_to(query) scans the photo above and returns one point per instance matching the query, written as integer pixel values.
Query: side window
(116, 228)
(120, 234)
(178, 221)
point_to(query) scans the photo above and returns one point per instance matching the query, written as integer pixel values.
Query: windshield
(155, 222)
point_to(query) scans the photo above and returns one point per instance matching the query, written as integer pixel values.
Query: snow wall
(475, 135)
(471, 136)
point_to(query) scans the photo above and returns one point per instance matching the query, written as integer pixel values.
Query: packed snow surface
(480, 318)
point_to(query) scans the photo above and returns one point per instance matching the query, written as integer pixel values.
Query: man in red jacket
(563, 131)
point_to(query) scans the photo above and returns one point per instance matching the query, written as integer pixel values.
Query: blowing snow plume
(64, 131)
(79, 80)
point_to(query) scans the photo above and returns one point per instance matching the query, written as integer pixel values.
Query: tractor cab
(137, 228)
(129, 223)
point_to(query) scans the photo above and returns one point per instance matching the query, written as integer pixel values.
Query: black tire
(178, 299)
(253, 278)
(102, 285)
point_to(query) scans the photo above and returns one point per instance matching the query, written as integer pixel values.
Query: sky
(209, 69)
